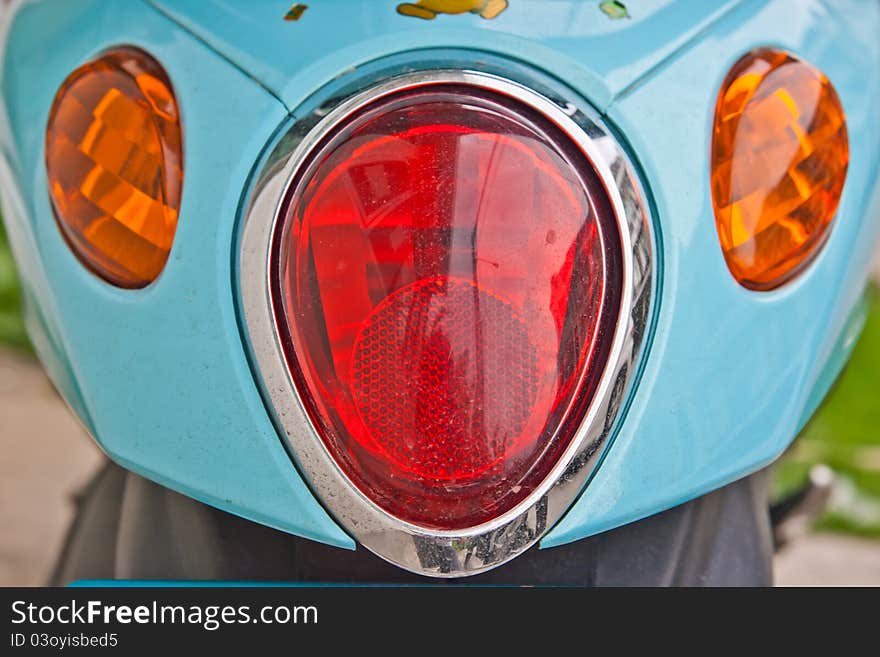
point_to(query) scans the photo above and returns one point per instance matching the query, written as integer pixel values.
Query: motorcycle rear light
(447, 282)
(114, 165)
(780, 152)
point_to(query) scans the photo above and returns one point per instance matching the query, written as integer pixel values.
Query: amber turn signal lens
(115, 166)
(779, 159)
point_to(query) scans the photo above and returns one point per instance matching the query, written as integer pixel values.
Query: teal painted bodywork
(161, 376)
(597, 56)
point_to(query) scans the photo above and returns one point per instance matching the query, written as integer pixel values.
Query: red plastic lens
(448, 285)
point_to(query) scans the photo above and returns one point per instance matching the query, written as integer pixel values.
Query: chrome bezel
(479, 548)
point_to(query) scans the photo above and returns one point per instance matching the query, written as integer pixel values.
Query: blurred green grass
(844, 434)
(12, 331)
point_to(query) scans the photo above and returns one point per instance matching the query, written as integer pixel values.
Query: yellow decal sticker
(428, 9)
(295, 12)
(614, 9)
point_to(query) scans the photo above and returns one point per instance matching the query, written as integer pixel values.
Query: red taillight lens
(448, 282)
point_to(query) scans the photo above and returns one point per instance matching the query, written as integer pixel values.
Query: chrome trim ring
(485, 546)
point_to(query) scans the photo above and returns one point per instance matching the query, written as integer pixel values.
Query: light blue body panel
(158, 375)
(732, 375)
(597, 56)
(161, 377)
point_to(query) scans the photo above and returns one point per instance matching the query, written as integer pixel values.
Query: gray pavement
(829, 560)
(45, 456)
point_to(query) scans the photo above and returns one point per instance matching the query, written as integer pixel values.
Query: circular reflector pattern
(114, 165)
(447, 281)
(779, 161)
(401, 385)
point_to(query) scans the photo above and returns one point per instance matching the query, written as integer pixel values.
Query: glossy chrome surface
(478, 548)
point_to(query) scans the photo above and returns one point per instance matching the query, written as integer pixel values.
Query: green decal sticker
(614, 9)
(295, 12)
(429, 9)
